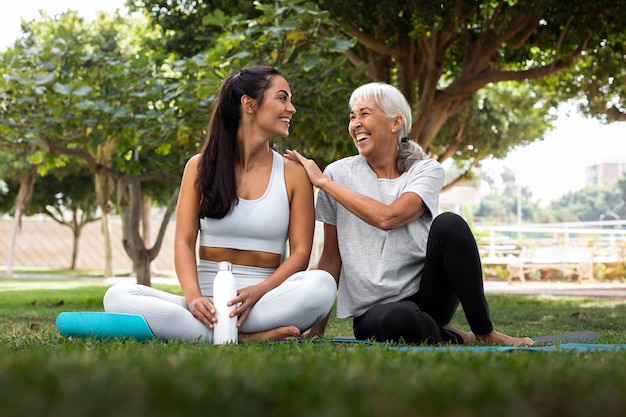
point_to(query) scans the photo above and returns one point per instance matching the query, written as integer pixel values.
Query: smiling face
(374, 133)
(275, 112)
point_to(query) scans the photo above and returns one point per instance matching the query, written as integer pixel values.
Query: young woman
(402, 269)
(244, 201)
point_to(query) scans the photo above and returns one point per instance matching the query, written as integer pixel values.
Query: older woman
(402, 269)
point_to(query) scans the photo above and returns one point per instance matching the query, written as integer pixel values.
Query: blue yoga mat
(571, 341)
(585, 336)
(102, 325)
(565, 347)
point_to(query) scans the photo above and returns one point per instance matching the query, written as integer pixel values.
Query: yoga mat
(550, 339)
(569, 337)
(102, 325)
(565, 347)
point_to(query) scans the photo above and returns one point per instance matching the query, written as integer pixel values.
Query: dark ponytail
(216, 181)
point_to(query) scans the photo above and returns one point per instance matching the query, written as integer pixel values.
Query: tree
(66, 196)
(501, 202)
(590, 204)
(442, 55)
(189, 32)
(294, 36)
(16, 168)
(92, 91)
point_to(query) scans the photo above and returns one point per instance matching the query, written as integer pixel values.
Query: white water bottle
(224, 290)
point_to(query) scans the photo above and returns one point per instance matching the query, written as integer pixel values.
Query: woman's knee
(451, 225)
(116, 293)
(318, 283)
(449, 220)
(322, 288)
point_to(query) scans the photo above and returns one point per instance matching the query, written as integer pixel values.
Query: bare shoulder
(194, 160)
(294, 169)
(192, 163)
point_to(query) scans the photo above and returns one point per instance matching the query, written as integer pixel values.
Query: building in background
(599, 174)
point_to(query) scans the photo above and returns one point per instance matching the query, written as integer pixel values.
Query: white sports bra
(260, 225)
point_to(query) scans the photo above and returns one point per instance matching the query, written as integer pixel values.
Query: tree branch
(156, 248)
(368, 41)
(463, 176)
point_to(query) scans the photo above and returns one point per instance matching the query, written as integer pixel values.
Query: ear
(398, 123)
(247, 104)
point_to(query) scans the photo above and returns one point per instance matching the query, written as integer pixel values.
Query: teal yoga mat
(102, 325)
(581, 341)
(565, 347)
(586, 336)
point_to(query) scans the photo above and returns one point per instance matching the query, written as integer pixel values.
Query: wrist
(322, 183)
(193, 298)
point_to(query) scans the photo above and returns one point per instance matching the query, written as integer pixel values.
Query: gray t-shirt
(379, 266)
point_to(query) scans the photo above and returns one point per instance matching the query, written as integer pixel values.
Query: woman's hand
(203, 309)
(245, 300)
(316, 176)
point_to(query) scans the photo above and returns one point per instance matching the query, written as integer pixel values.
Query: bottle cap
(224, 266)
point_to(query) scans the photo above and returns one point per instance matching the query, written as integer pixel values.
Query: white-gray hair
(393, 103)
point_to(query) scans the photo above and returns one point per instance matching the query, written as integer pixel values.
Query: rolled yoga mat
(102, 325)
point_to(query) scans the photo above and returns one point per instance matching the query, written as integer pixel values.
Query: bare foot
(279, 333)
(497, 338)
(468, 337)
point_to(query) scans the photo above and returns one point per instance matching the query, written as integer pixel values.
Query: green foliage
(64, 190)
(298, 38)
(591, 204)
(189, 27)
(464, 65)
(85, 87)
(486, 126)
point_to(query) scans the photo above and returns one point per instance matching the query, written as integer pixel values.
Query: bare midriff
(240, 257)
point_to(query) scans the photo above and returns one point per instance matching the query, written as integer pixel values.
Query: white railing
(500, 240)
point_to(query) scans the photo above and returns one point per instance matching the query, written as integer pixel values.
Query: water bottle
(224, 290)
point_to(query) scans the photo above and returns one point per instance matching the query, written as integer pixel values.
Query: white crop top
(260, 225)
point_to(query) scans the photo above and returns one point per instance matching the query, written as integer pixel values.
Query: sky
(11, 15)
(550, 167)
(556, 165)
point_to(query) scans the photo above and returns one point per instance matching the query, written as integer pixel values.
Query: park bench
(578, 258)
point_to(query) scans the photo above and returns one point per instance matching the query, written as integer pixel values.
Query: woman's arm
(185, 245)
(301, 228)
(405, 209)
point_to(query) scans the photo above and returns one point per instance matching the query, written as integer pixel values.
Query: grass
(45, 374)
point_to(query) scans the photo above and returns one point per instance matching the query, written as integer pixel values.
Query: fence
(607, 238)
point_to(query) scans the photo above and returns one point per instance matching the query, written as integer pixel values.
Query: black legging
(452, 274)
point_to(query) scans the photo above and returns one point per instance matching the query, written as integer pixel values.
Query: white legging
(302, 300)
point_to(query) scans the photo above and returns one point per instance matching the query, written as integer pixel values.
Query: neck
(385, 167)
(250, 156)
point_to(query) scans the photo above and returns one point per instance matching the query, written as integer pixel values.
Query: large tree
(94, 91)
(441, 54)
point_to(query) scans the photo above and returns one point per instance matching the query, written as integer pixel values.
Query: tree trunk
(142, 268)
(104, 185)
(104, 188)
(130, 202)
(146, 209)
(14, 230)
(25, 193)
(146, 226)
(76, 239)
(108, 251)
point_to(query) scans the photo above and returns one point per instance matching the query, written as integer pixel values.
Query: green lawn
(45, 374)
